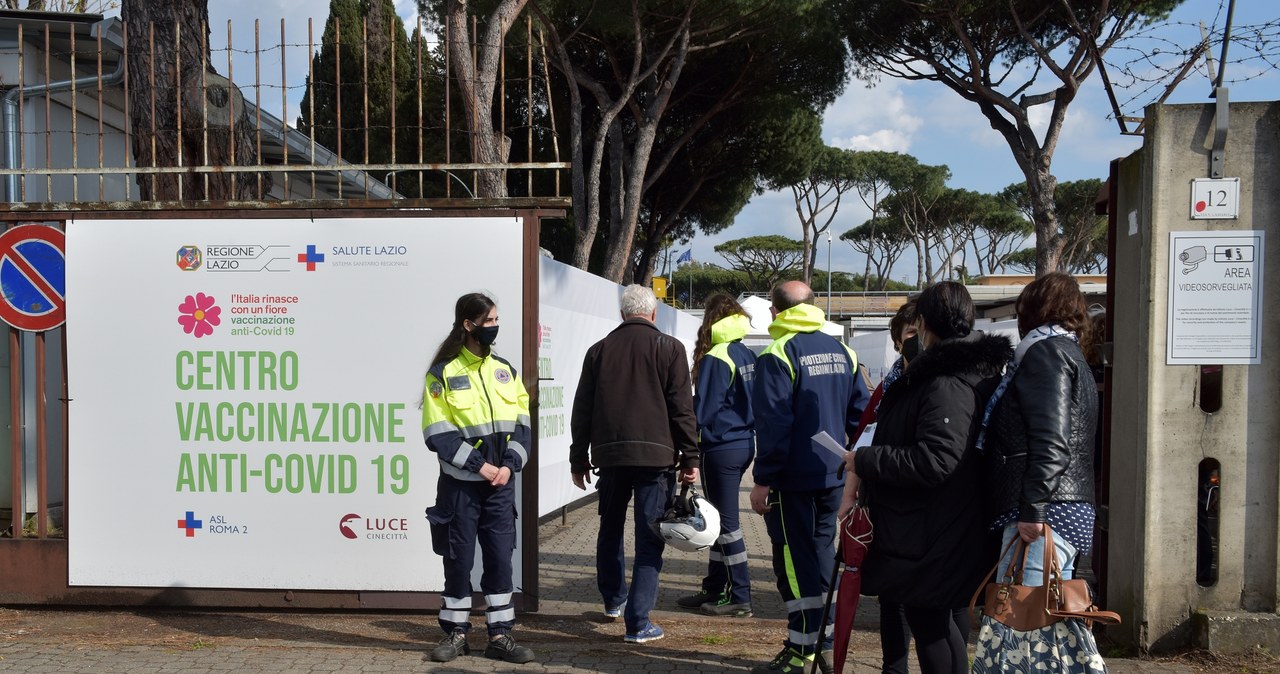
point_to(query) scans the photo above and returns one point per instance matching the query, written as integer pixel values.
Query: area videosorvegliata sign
(245, 395)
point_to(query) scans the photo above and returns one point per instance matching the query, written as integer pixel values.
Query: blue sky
(923, 119)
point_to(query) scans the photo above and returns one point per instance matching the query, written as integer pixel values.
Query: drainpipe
(111, 31)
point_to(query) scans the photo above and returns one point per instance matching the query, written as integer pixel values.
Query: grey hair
(638, 300)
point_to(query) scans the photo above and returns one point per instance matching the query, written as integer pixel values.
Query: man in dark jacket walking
(634, 410)
(806, 383)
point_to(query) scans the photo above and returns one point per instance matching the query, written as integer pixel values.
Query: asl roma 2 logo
(199, 315)
(189, 524)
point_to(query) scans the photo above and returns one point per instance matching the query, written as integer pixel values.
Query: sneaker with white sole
(612, 613)
(651, 632)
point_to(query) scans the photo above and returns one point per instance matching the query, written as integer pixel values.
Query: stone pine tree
(364, 71)
(1007, 57)
(169, 44)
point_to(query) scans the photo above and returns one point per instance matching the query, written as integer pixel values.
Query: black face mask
(486, 335)
(911, 348)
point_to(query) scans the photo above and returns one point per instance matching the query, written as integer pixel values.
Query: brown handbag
(1025, 608)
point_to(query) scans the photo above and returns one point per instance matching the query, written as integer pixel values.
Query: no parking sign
(33, 270)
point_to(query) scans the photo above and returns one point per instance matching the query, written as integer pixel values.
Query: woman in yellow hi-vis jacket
(475, 417)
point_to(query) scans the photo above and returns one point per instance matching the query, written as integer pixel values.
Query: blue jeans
(651, 488)
(1033, 575)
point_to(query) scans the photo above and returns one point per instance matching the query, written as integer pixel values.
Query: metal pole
(671, 280)
(828, 274)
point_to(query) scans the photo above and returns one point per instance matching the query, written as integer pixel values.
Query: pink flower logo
(199, 314)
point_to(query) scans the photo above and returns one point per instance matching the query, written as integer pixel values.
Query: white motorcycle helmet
(691, 523)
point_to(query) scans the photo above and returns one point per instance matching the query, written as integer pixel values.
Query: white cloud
(878, 118)
(888, 140)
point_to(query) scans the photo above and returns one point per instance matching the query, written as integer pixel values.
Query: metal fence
(75, 138)
(72, 144)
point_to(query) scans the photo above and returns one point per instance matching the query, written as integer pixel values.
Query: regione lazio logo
(311, 257)
(199, 315)
(189, 524)
(189, 258)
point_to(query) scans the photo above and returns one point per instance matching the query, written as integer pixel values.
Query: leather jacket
(1039, 446)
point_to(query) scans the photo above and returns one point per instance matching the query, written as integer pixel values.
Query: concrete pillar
(1159, 433)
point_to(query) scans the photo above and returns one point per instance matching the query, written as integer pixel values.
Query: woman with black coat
(921, 478)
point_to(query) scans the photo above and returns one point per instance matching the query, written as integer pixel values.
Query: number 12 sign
(1215, 198)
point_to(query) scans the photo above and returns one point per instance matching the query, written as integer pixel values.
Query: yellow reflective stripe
(777, 348)
(793, 582)
(721, 353)
(853, 356)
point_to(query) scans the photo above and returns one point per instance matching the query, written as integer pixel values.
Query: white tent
(758, 309)
(875, 349)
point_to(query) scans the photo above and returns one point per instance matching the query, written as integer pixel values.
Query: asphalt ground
(568, 633)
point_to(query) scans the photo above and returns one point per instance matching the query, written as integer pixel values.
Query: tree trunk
(1040, 188)
(477, 80)
(214, 128)
(622, 233)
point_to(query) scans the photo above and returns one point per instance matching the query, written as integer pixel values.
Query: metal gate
(71, 149)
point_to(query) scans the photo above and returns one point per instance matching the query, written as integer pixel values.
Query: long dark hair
(470, 307)
(1055, 298)
(718, 306)
(947, 309)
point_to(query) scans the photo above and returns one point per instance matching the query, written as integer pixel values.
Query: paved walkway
(567, 633)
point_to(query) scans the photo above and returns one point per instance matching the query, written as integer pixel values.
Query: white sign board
(245, 395)
(1215, 198)
(576, 309)
(1215, 298)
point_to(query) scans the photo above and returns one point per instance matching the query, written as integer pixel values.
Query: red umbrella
(855, 539)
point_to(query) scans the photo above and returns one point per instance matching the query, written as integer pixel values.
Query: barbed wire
(1146, 66)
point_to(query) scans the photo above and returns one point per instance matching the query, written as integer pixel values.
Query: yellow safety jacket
(475, 410)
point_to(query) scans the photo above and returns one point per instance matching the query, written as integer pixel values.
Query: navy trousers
(727, 573)
(802, 528)
(651, 488)
(466, 512)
